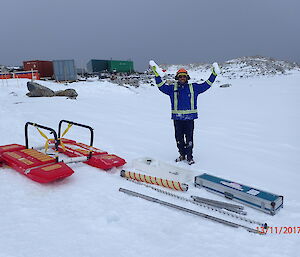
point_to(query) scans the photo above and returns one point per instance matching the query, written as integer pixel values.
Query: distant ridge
(243, 67)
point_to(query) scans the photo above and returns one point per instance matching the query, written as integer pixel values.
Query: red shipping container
(45, 68)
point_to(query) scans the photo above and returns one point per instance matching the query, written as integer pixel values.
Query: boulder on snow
(37, 90)
(71, 93)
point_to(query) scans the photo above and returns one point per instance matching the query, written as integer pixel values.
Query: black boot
(180, 158)
(191, 161)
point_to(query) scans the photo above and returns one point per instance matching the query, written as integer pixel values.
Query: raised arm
(162, 86)
(200, 88)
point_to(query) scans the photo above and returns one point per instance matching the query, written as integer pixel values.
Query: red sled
(72, 148)
(34, 164)
(105, 161)
(43, 168)
(7, 148)
(95, 156)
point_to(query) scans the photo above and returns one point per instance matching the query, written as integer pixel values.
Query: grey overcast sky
(168, 31)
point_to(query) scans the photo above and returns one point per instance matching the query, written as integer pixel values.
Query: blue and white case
(253, 197)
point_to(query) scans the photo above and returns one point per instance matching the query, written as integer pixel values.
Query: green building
(120, 66)
(109, 65)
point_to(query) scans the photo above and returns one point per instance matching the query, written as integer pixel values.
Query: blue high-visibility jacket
(184, 97)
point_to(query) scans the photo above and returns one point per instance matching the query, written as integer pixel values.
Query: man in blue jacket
(183, 96)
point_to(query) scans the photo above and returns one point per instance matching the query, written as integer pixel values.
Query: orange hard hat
(182, 72)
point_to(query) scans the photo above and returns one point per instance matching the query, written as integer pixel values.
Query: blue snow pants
(184, 132)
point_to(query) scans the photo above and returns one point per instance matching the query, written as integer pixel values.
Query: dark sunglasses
(182, 76)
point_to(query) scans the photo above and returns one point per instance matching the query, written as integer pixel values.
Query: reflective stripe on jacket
(184, 97)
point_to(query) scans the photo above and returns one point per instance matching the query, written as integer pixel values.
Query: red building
(45, 68)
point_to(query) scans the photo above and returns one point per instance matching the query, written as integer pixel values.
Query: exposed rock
(225, 85)
(71, 93)
(123, 81)
(253, 66)
(37, 90)
(243, 67)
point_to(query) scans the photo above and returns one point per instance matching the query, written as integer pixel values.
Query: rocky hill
(243, 67)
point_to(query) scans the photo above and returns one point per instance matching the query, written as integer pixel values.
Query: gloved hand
(216, 69)
(153, 67)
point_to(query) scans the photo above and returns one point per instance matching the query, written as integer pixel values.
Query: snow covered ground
(248, 133)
